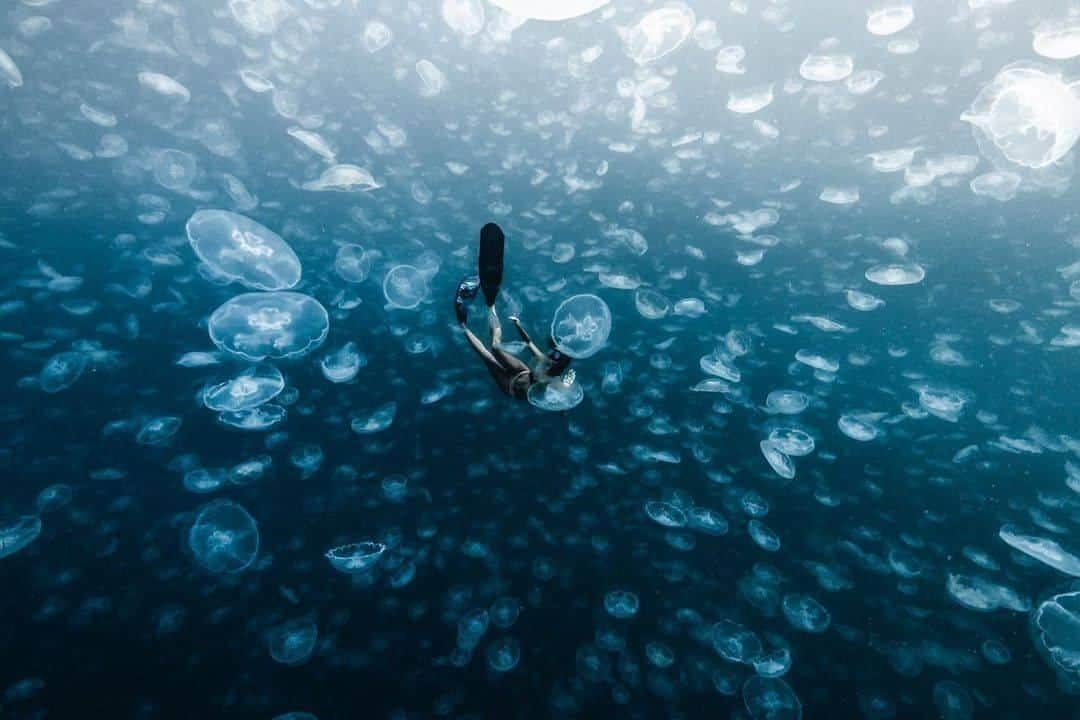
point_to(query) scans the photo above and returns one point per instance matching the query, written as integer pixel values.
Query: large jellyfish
(1028, 115)
(581, 326)
(556, 396)
(659, 32)
(256, 326)
(224, 538)
(251, 388)
(243, 250)
(1055, 627)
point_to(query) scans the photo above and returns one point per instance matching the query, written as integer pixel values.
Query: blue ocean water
(825, 461)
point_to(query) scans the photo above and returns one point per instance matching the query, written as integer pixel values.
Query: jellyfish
(556, 396)
(242, 250)
(174, 169)
(826, 68)
(158, 431)
(770, 699)
(251, 388)
(293, 642)
(405, 287)
(261, 325)
(659, 33)
(61, 371)
(224, 538)
(343, 364)
(343, 178)
(581, 326)
(14, 536)
(353, 263)
(805, 613)
(356, 557)
(549, 10)
(621, 604)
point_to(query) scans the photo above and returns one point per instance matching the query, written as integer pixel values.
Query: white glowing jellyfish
(242, 250)
(224, 538)
(581, 326)
(251, 388)
(549, 10)
(1055, 628)
(659, 32)
(293, 642)
(61, 371)
(556, 396)
(1028, 115)
(9, 71)
(14, 536)
(910, 274)
(465, 17)
(890, 20)
(826, 68)
(256, 326)
(356, 557)
(343, 178)
(1058, 41)
(174, 169)
(353, 263)
(405, 287)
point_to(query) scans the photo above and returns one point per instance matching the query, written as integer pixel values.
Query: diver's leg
(492, 243)
(501, 375)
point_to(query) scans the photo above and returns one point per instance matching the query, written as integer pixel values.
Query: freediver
(512, 375)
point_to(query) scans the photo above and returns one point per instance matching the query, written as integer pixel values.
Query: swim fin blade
(492, 242)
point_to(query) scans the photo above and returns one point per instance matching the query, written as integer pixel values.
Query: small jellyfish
(344, 364)
(621, 604)
(353, 263)
(292, 643)
(826, 68)
(376, 36)
(503, 654)
(253, 387)
(343, 178)
(659, 33)
(805, 613)
(665, 514)
(581, 325)
(158, 431)
(770, 699)
(379, 420)
(14, 536)
(53, 497)
(911, 274)
(405, 287)
(549, 10)
(356, 557)
(262, 417)
(735, 643)
(224, 538)
(174, 169)
(651, 305)
(556, 396)
(61, 371)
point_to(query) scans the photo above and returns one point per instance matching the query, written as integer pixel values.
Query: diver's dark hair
(559, 363)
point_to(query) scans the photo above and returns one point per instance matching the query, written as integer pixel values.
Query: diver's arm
(528, 340)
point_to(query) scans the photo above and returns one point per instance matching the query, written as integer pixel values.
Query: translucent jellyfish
(857, 428)
(433, 79)
(1000, 186)
(356, 557)
(556, 396)
(778, 461)
(707, 520)
(840, 195)
(581, 326)
(665, 514)
(174, 169)
(910, 274)
(376, 36)
(996, 652)
(9, 71)
(621, 604)
(863, 81)
(353, 263)
(255, 82)
(242, 250)
(735, 643)
(224, 538)
(770, 699)
(805, 613)
(792, 441)
(504, 612)
(251, 388)
(164, 85)
(343, 178)
(890, 20)
(503, 654)
(863, 302)
(293, 642)
(826, 68)
(342, 365)
(259, 418)
(314, 142)
(379, 420)
(787, 402)
(943, 403)
(1055, 628)
(659, 32)
(976, 593)
(1058, 41)
(745, 102)
(158, 431)
(549, 10)
(763, 536)
(405, 287)
(463, 16)
(256, 326)
(728, 59)
(1027, 115)
(1043, 549)
(718, 363)
(53, 497)
(14, 536)
(61, 371)
(953, 701)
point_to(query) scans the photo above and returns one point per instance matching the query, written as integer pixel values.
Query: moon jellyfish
(792, 441)
(659, 33)
(342, 365)
(343, 178)
(1058, 41)
(158, 431)
(707, 520)
(174, 169)
(1000, 186)
(251, 388)
(910, 274)
(763, 535)
(15, 536)
(378, 421)
(503, 654)
(556, 396)
(61, 371)
(953, 701)
(890, 20)
(1043, 549)
(224, 538)
(433, 79)
(463, 16)
(376, 36)
(1027, 115)
(292, 643)
(651, 305)
(749, 101)
(262, 417)
(787, 402)
(356, 557)
(53, 497)
(164, 85)
(665, 514)
(1055, 628)
(256, 326)
(805, 613)
(826, 68)
(353, 263)
(770, 699)
(621, 604)
(9, 71)
(857, 427)
(735, 643)
(549, 10)
(581, 326)
(242, 250)
(863, 302)
(405, 287)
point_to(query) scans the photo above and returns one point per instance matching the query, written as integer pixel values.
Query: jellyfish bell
(581, 326)
(260, 325)
(224, 537)
(549, 10)
(239, 249)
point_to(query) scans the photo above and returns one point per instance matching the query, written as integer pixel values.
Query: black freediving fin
(492, 242)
